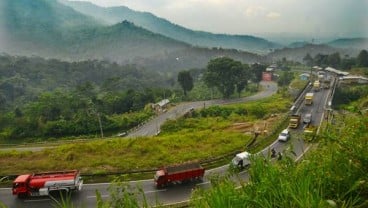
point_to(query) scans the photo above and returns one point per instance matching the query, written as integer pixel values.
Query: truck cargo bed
(183, 168)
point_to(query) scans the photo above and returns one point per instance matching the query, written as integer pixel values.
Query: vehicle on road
(307, 119)
(122, 134)
(294, 121)
(178, 174)
(241, 160)
(316, 85)
(284, 136)
(310, 133)
(309, 98)
(42, 184)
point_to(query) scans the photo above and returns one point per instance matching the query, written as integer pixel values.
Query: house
(267, 76)
(304, 76)
(351, 79)
(161, 106)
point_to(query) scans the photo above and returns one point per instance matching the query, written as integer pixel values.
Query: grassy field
(207, 134)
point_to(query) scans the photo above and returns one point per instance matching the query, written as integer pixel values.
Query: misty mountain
(357, 43)
(298, 44)
(113, 15)
(49, 29)
(298, 53)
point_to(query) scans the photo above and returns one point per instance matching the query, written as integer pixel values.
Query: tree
(308, 60)
(223, 73)
(256, 70)
(186, 81)
(334, 60)
(285, 78)
(242, 79)
(362, 59)
(321, 59)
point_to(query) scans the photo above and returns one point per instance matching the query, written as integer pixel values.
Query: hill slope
(357, 43)
(298, 53)
(112, 15)
(52, 30)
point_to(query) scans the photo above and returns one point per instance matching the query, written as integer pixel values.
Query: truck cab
(20, 185)
(159, 177)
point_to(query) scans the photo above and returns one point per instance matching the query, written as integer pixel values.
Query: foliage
(285, 78)
(333, 175)
(121, 196)
(335, 60)
(346, 95)
(226, 74)
(193, 138)
(186, 81)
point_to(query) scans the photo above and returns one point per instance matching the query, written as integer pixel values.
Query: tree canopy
(186, 81)
(226, 75)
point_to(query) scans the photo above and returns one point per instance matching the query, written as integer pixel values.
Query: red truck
(41, 184)
(178, 174)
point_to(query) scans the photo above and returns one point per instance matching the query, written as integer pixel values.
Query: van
(241, 160)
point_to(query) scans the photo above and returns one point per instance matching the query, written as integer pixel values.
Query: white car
(284, 135)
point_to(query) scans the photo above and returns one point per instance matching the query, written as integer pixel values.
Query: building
(304, 76)
(161, 106)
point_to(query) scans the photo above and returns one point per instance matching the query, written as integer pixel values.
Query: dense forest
(40, 97)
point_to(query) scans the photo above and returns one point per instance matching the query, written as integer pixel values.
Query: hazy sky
(338, 18)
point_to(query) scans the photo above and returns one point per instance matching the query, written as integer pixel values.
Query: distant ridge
(112, 15)
(49, 29)
(357, 43)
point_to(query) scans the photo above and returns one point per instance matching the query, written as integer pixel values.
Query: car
(122, 134)
(241, 160)
(284, 135)
(307, 118)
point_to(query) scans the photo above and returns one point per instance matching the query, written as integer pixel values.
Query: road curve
(178, 193)
(153, 126)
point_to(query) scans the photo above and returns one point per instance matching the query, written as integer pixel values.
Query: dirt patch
(261, 126)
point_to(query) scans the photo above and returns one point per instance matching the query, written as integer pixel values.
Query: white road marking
(200, 184)
(154, 191)
(102, 196)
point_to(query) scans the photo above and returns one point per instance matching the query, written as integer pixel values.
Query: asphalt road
(177, 193)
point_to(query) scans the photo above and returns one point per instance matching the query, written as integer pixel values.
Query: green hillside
(113, 15)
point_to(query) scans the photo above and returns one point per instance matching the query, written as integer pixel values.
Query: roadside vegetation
(207, 133)
(331, 174)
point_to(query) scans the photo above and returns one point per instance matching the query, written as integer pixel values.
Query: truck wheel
(22, 195)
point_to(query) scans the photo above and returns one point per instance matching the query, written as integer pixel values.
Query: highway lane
(172, 194)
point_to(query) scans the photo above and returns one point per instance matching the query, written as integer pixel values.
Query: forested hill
(358, 43)
(113, 15)
(22, 79)
(49, 29)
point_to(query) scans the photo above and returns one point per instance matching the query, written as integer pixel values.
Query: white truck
(241, 160)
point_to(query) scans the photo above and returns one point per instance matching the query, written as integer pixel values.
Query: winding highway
(180, 193)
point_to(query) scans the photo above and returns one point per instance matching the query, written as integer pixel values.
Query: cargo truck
(309, 98)
(241, 160)
(316, 85)
(178, 174)
(294, 121)
(42, 184)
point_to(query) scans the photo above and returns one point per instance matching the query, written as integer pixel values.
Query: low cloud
(255, 11)
(273, 15)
